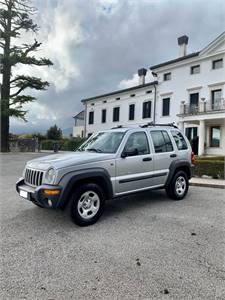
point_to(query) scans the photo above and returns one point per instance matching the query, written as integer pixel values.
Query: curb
(212, 185)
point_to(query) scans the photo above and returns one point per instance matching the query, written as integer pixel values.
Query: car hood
(63, 160)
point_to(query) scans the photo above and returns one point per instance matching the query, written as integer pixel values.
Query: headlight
(50, 176)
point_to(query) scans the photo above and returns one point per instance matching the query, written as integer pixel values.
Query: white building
(78, 128)
(189, 90)
(194, 85)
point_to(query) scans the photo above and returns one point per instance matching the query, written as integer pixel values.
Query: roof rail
(151, 124)
(118, 126)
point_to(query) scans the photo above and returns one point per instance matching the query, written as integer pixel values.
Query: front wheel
(87, 204)
(178, 186)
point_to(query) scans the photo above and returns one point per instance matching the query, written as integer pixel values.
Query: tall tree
(54, 133)
(16, 17)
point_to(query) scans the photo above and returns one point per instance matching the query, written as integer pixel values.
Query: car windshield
(103, 142)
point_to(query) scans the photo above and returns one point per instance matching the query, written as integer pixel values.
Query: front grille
(33, 177)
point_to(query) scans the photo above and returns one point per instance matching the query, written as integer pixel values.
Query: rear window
(179, 140)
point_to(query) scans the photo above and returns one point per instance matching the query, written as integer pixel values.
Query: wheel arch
(181, 165)
(71, 181)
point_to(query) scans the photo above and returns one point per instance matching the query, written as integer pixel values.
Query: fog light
(51, 192)
(49, 202)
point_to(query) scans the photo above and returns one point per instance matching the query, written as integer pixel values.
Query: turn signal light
(51, 192)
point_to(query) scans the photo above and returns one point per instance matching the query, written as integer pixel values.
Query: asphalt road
(144, 247)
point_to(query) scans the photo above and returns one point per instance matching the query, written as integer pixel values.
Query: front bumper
(37, 194)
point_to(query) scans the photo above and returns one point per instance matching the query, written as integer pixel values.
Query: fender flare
(69, 180)
(174, 166)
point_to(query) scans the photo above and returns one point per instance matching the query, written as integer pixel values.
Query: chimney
(182, 42)
(142, 73)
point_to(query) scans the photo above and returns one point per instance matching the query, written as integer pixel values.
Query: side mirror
(129, 152)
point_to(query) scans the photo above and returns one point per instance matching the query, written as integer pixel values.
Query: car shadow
(50, 219)
(136, 201)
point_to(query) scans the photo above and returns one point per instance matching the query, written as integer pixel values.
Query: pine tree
(54, 133)
(15, 18)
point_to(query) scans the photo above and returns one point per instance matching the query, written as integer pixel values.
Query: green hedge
(211, 158)
(64, 144)
(214, 168)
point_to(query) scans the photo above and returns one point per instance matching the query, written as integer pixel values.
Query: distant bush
(64, 144)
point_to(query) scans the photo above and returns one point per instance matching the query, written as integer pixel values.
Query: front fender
(69, 180)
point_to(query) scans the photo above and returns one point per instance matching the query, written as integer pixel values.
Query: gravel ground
(144, 247)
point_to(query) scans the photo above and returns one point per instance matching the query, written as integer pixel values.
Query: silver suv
(109, 164)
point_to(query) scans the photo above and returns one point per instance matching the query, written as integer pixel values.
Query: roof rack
(118, 126)
(151, 124)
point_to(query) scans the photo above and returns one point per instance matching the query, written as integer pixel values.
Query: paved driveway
(144, 247)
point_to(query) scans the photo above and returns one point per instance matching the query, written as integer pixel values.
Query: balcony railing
(202, 107)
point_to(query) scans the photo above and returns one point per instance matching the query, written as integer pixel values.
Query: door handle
(147, 159)
(173, 155)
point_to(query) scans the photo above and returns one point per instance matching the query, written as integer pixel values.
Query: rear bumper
(36, 194)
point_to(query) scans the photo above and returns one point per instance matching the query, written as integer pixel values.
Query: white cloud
(126, 83)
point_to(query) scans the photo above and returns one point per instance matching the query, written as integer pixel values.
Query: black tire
(90, 190)
(172, 190)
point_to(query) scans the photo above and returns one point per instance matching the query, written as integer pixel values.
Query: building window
(217, 64)
(103, 115)
(215, 136)
(216, 99)
(116, 114)
(147, 107)
(195, 69)
(166, 107)
(118, 98)
(148, 92)
(131, 111)
(132, 95)
(161, 141)
(91, 117)
(167, 76)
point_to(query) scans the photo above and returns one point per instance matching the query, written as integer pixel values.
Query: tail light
(193, 158)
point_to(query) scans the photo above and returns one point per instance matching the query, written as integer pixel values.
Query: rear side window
(179, 140)
(161, 141)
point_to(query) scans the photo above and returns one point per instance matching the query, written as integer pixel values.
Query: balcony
(204, 107)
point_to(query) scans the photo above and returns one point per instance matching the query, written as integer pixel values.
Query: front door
(194, 100)
(134, 171)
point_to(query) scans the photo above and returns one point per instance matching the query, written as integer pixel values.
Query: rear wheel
(178, 186)
(87, 204)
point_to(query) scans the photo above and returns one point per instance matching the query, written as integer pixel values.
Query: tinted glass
(139, 141)
(161, 141)
(179, 140)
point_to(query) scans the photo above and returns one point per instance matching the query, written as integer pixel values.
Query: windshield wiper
(95, 150)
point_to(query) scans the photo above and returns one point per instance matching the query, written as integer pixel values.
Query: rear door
(164, 155)
(135, 172)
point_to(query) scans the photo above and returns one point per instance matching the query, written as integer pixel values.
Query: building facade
(194, 85)
(189, 91)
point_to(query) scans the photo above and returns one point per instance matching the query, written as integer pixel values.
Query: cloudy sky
(98, 45)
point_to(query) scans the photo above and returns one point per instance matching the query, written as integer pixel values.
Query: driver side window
(137, 143)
